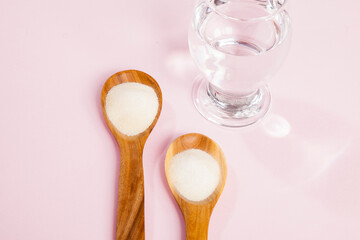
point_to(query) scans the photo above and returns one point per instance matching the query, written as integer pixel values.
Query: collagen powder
(194, 173)
(131, 107)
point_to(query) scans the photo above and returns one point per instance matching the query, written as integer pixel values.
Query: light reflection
(276, 126)
(228, 30)
(217, 33)
(180, 62)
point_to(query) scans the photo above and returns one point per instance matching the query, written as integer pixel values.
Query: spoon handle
(130, 211)
(197, 223)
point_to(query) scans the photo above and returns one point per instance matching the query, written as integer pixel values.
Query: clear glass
(238, 45)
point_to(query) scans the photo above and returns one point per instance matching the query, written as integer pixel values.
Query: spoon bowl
(125, 77)
(196, 213)
(130, 211)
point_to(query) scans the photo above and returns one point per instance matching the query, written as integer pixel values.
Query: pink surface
(294, 176)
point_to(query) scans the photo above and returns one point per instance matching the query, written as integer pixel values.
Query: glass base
(230, 110)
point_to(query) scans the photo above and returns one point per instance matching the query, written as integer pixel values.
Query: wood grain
(197, 214)
(130, 211)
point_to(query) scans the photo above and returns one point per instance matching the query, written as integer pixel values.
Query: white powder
(194, 173)
(131, 107)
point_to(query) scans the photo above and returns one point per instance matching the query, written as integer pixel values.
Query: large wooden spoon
(196, 213)
(130, 211)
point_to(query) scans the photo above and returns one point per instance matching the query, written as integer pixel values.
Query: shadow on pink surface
(225, 207)
(157, 193)
(312, 150)
(102, 80)
(171, 198)
(299, 142)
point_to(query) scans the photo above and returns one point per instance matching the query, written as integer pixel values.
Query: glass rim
(210, 4)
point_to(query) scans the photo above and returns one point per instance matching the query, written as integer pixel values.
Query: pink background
(293, 176)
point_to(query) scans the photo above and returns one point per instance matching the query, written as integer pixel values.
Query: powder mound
(194, 173)
(131, 107)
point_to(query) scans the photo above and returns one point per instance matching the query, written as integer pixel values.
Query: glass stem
(247, 104)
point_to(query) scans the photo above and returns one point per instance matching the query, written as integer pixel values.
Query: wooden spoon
(130, 211)
(196, 214)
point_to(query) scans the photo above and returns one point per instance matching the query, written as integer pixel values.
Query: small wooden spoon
(130, 211)
(196, 214)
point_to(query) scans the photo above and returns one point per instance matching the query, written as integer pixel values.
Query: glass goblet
(238, 45)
